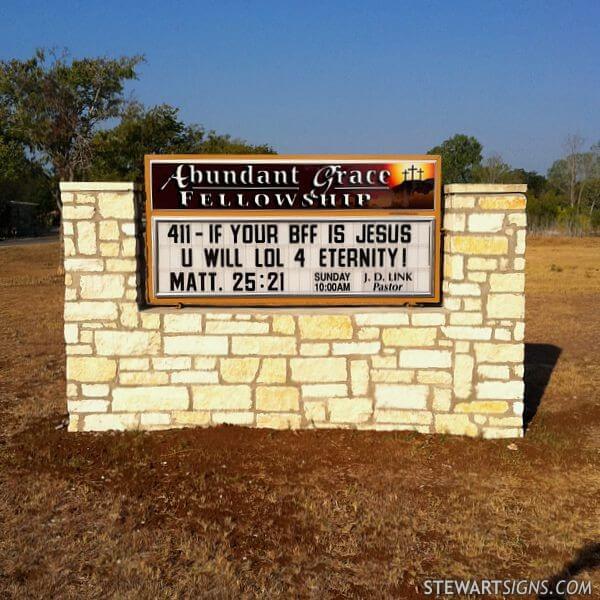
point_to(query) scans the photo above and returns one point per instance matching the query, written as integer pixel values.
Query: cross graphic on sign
(412, 170)
(405, 173)
(420, 171)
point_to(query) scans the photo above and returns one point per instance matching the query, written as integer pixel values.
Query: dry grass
(230, 513)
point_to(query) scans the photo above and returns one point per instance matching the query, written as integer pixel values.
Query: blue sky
(320, 77)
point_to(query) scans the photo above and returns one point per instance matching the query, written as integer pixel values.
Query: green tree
(493, 169)
(460, 155)
(55, 104)
(119, 152)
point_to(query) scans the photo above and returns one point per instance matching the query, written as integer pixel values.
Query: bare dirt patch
(231, 512)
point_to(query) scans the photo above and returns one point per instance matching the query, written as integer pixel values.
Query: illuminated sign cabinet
(268, 230)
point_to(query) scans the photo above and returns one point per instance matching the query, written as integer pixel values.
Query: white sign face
(200, 257)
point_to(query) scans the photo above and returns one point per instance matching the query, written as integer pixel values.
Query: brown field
(236, 513)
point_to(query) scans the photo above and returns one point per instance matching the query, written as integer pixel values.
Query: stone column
(484, 292)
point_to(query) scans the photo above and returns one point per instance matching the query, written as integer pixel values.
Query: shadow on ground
(586, 559)
(540, 360)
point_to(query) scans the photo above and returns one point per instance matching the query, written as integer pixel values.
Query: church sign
(293, 230)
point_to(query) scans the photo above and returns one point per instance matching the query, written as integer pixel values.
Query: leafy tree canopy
(460, 155)
(54, 104)
(119, 152)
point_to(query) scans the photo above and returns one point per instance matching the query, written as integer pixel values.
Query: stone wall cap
(485, 188)
(99, 186)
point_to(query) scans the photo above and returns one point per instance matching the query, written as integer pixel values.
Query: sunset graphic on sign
(409, 171)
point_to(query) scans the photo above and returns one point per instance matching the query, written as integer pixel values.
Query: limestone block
(442, 398)
(381, 319)
(409, 336)
(464, 289)
(277, 398)
(87, 406)
(519, 332)
(315, 411)
(418, 417)
(509, 390)
(204, 362)
(454, 266)
(83, 264)
(430, 376)
(222, 397)
(507, 282)
(233, 418)
(482, 264)
(116, 206)
(150, 320)
(503, 202)
(454, 221)
(150, 398)
(190, 418)
(455, 424)
(127, 343)
(401, 396)
(278, 421)
(154, 419)
(71, 333)
(134, 364)
(314, 349)
(95, 390)
(392, 376)
(468, 333)
(183, 323)
(472, 304)
(90, 369)
(196, 344)
(425, 359)
(350, 410)
(325, 390)
(506, 421)
(129, 247)
(318, 370)
(490, 433)
(520, 245)
(284, 324)
(359, 377)
(503, 334)
(463, 375)
(109, 230)
(111, 421)
(506, 306)
(239, 370)
(272, 370)
(171, 363)
(368, 333)
(102, 286)
(90, 311)
(109, 249)
(384, 362)
(86, 237)
(263, 345)
(346, 348)
(493, 371)
(466, 318)
(69, 247)
(486, 222)
(129, 314)
(71, 212)
(499, 353)
(325, 327)
(229, 327)
(125, 265)
(471, 244)
(482, 406)
(143, 378)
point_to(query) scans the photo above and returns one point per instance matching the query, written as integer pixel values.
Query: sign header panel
(307, 230)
